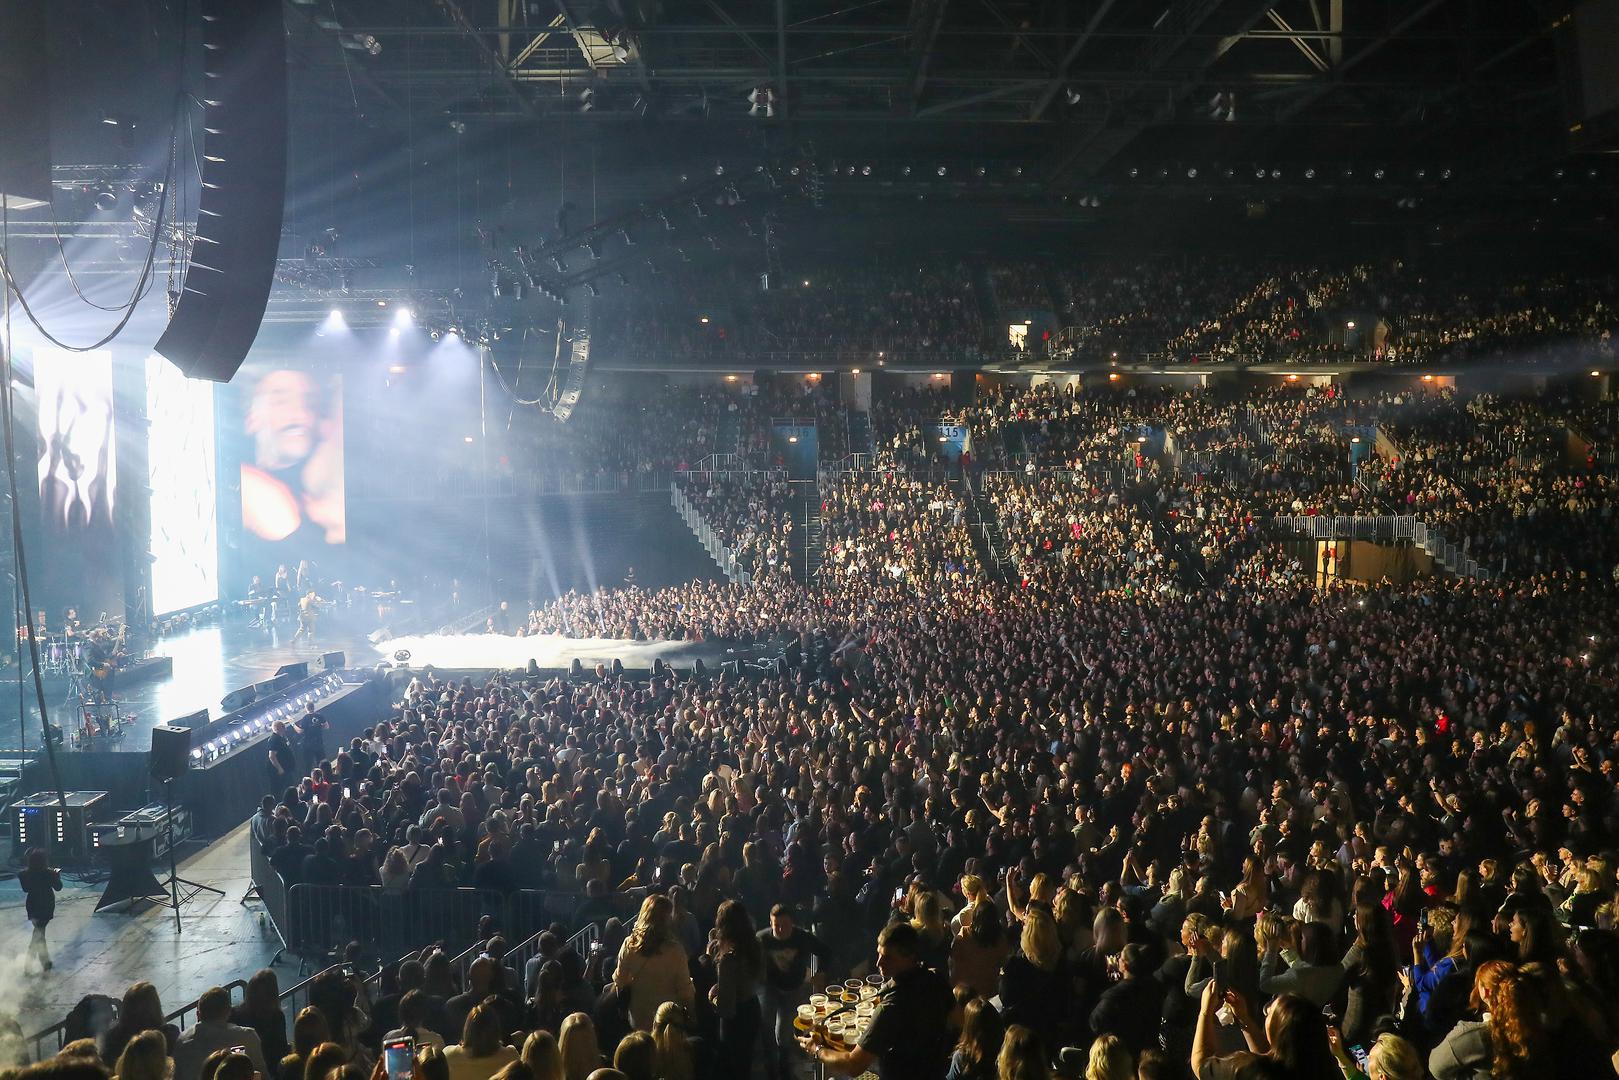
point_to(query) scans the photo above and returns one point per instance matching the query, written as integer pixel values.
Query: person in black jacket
(787, 949)
(40, 883)
(1035, 986)
(1131, 1007)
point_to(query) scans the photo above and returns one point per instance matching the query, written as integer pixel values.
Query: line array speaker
(244, 180)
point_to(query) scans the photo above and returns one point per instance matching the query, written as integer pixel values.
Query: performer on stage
(103, 657)
(259, 599)
(308, 615)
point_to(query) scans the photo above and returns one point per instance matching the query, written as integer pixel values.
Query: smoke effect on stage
(548, 650)
(181, 474)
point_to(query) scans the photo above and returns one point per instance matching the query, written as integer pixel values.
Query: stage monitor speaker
(238, 699)
(191, 720)
(270, 687)
(244, 181)
(25, 104)
(298, 671)
(171, 750)
(333, 661)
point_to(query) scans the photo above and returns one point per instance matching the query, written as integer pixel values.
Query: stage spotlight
(1191, 174)
(393, 332)
(1309, 174)
(594, 248)
(942, 170)
(335, 320)
(1378, 174)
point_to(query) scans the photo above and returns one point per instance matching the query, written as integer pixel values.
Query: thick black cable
(8, 404)
(141, 285)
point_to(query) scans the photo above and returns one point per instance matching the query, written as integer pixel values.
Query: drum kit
(60, 654)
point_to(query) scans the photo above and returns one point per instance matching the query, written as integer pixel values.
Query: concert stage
(208, 663)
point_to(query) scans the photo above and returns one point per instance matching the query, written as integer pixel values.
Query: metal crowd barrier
(46, 1043)
(324, 918)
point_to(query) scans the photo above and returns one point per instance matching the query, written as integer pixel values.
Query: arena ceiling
(1070, 90)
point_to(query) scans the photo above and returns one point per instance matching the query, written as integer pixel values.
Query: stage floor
(209, 662)
(221, 939)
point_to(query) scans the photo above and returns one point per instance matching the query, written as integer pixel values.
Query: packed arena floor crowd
(1160, 802)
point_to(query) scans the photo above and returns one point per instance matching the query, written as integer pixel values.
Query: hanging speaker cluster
(244, 179)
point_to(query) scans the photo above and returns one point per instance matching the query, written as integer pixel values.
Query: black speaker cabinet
(171, 751)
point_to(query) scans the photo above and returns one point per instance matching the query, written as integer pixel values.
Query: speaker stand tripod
(181, 890)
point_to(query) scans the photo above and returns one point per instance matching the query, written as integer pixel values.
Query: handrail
(235, 988)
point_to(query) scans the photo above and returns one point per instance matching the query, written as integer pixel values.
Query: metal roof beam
(1327, 85)
(928, 22)
(1068, 59)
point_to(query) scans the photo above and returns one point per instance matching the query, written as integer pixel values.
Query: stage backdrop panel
(282, 433)
(78, 482)
(181, 466)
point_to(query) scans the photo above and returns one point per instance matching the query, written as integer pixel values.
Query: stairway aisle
(984, 525)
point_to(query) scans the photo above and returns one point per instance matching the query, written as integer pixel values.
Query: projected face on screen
(292, 478)
(180, 473)
(77, 463)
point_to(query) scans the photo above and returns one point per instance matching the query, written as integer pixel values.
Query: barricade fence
(324, 918)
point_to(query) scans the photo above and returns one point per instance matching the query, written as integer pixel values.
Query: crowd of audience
(1159, 804)
(1188, 308)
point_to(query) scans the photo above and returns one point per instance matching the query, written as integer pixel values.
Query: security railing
(1386, 528)
(723, 555)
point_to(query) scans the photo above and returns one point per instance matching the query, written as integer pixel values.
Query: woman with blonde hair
(1110, 1060)
(146, 1057)
(541, 1056)
(482, 1051)
(1034, 985)
(1022, 1057)
(675, 1058)
(581, 1055)
(972, 893)
(652, 965)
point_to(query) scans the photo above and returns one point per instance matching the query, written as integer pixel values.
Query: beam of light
(402, 317)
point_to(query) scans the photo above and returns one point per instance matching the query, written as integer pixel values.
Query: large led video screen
(181, 472)
(288, 432)
(78, 466)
